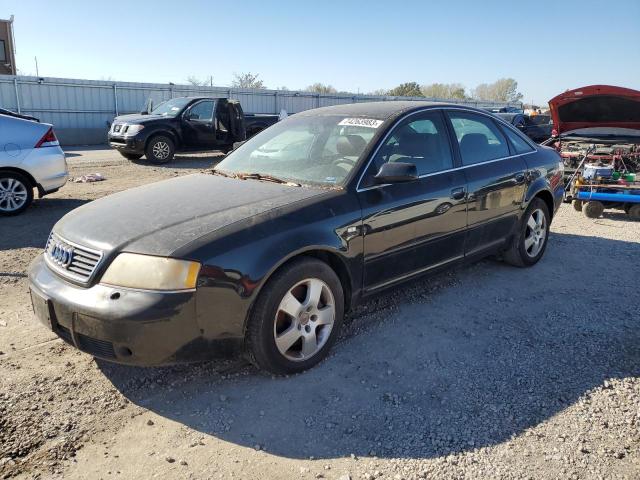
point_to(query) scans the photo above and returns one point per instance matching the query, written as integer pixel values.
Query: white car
(30, 157)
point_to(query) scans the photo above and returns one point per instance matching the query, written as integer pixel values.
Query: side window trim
(444, 110)
(199, 102)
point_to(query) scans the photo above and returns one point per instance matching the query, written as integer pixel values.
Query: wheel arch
(547, 197)
(22, 172)
(541, 191)
(333, 259)
(167, 133)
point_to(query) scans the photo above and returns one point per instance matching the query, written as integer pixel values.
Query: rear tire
(634, 212)
(296, 319)
(131, 156)
(160, 149)
(16, 193)
(530, 242)
(593, 209)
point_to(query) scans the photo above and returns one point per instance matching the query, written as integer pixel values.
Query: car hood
(138, 118)
(158, 218)
(596, 106)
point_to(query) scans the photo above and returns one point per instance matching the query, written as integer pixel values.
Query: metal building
(82, 110)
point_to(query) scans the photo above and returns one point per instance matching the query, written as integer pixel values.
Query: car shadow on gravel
(466, 359)
(32, 227)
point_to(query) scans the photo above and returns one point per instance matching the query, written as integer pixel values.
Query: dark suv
(185, 124)
(265, 253)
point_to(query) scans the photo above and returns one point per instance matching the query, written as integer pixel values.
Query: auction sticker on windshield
(361, 122)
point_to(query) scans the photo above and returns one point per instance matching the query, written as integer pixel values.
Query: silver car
(30, 158)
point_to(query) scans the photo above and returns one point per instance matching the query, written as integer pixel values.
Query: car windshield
(320, 150)
(170, 108)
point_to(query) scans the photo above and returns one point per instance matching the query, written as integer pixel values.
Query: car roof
(378, 110)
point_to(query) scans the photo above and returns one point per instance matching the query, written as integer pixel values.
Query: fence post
(15, 88)
(115, 98)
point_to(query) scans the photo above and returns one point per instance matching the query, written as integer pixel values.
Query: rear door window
(519, 144)
(479, 138)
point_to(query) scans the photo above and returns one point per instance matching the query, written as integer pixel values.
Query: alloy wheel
(304, 319)
(13, 194)
(536, 233)
(161, 150)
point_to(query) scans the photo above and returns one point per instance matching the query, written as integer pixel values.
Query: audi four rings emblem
(62, 254)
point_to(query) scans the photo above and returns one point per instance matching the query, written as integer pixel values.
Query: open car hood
(596, 106)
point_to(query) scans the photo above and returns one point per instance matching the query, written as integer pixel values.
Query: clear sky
(547, 46)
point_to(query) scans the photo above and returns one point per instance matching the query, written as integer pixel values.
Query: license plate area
(42, 309)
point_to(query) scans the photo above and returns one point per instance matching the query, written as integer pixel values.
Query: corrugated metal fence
(82, 110)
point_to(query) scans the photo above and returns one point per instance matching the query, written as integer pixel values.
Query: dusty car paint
(242, 231)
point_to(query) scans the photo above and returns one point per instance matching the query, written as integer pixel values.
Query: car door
(412, 227)
(199, 130)
(496, 179)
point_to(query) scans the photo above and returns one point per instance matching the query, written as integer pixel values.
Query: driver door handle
(458, 193)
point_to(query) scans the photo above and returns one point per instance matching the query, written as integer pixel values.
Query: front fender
(245, 259)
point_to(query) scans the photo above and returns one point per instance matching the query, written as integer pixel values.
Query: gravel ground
(486, 371)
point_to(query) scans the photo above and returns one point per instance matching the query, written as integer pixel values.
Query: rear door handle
(458, 193)
(520, 177)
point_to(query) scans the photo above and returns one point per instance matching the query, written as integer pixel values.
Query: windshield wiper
(223, 174)
(264, 177)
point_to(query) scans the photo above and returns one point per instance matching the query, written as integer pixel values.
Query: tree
(502, 90)
(381, 92)
(409, 89)
(196, 82)
(444, 90)
(320, 88)
(247, 80)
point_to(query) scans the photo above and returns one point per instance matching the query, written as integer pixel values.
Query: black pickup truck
(185, 124)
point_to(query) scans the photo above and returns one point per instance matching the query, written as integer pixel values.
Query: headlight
(151, 273)
(131, 130)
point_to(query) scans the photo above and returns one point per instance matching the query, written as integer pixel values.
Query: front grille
(99, 348)
(93, 346)
(71, 260)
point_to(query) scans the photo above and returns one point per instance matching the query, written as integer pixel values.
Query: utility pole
(211, 80)
(37, 72)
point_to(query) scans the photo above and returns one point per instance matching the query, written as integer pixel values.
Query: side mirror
(396, 172)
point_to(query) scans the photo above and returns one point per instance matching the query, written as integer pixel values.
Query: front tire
(160, 149)
(16, 193)
(530, 242)
(296, 318)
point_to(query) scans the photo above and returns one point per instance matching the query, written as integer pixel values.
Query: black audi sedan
(266, 252)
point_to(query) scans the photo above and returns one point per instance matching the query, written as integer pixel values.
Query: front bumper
(122, 325)
(124, 144)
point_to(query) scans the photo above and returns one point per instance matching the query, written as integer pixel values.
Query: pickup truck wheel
(160, 149)
(634, 211)
(16, 193)
(296, 318)
(530, 242)
(131, 156)
(593, 209)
